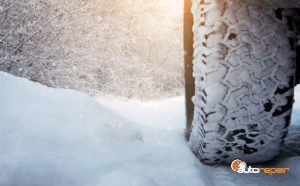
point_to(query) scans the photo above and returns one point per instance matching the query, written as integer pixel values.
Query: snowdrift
(62, 137)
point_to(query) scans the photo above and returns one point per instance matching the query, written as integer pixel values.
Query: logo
(240, 167)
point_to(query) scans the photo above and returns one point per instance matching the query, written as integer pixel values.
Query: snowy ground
(61, 137)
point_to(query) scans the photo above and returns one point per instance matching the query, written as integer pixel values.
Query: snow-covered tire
(244, 69)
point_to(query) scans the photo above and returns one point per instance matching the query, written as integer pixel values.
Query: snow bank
(62, 137)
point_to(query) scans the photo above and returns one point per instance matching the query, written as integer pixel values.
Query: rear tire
(244, 69)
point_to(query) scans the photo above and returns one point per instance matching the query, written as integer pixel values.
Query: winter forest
(128, 48)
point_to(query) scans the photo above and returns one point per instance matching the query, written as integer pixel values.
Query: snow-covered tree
(129, 48)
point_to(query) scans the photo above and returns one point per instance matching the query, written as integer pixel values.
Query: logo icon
(237, 165)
